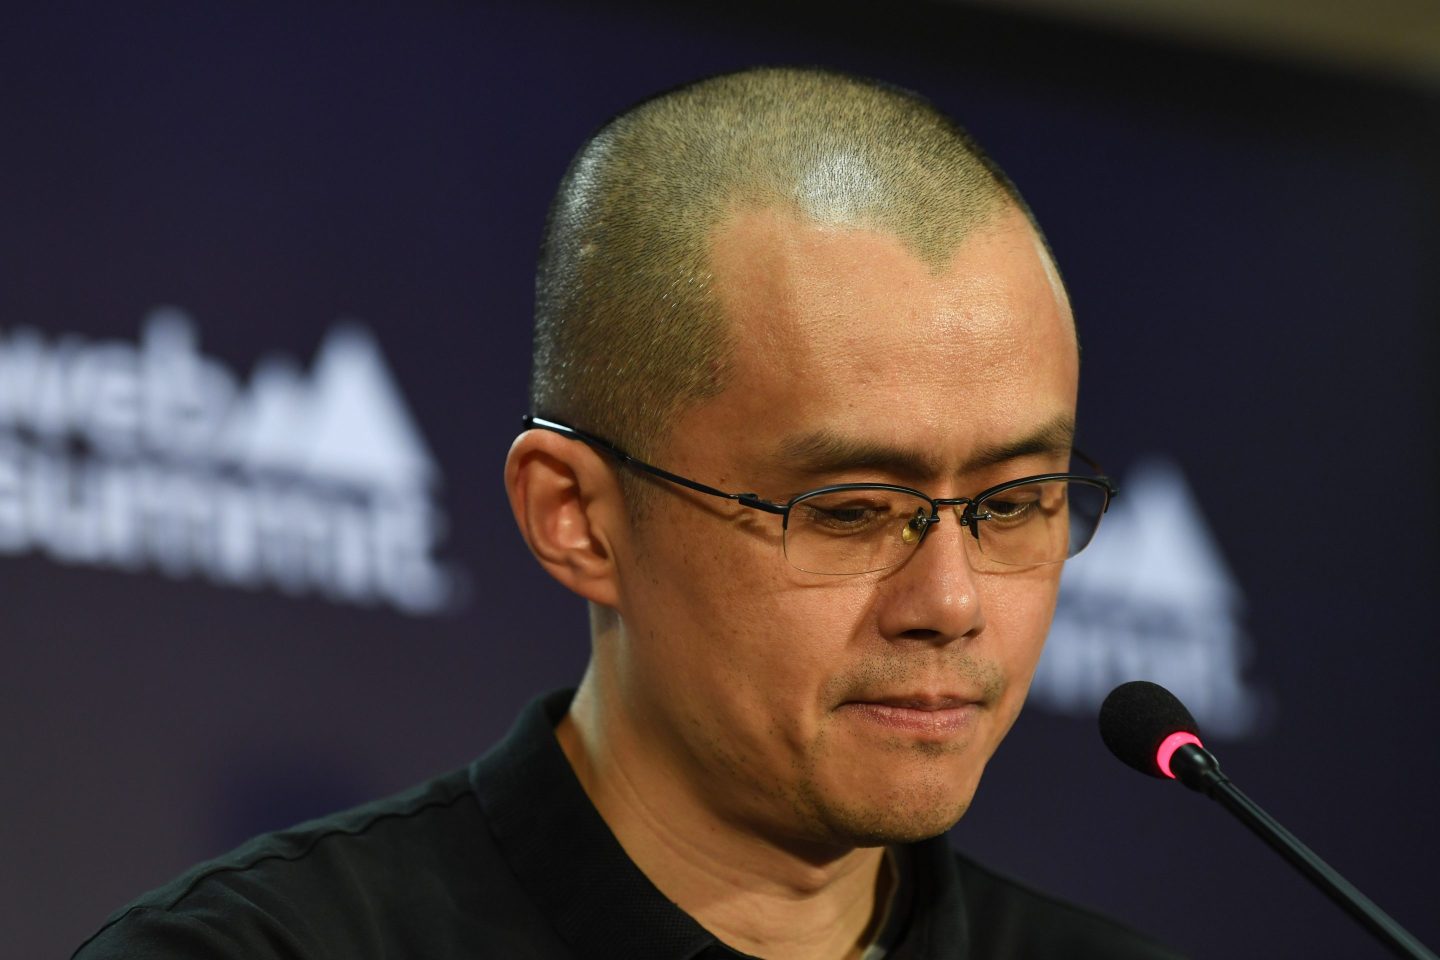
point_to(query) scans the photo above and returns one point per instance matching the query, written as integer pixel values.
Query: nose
(933, 596)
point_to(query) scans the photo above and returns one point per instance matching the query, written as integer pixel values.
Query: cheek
(779, 646)
(1019, 611)
(798, 639)
(733, 636)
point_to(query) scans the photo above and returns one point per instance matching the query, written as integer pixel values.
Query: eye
(850, 517)
(861, 512)
(1010, 509)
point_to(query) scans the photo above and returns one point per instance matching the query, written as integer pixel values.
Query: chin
(883, 827)
(903, 814)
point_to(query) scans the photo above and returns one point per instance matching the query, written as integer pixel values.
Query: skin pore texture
(754, 735)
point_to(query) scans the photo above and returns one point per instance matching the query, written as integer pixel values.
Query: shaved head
(628, 329)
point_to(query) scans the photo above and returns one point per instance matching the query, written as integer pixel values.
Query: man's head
(629, 328)
(769, 282)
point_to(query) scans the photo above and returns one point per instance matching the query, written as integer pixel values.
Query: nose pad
(969, 520)
(914, 528)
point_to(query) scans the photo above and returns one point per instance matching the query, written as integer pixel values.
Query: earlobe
(563, 496)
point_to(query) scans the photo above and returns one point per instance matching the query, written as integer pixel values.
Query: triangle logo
(360, 431)
(346, 424)
(1152, 598)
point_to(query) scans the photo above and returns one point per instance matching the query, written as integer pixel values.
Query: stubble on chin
(913, 789)
(887, 810)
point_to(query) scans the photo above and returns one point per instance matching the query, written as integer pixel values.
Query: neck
(756, 895)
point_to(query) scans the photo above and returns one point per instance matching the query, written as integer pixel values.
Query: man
(796, 340)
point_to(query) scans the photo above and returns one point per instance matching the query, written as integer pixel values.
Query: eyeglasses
(852, 528)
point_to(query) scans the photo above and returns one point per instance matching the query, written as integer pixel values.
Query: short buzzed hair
(628, 332)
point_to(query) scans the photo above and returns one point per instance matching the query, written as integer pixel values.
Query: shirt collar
(599, 902)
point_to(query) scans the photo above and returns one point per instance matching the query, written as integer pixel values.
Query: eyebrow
(825, 451)
(1052, 438)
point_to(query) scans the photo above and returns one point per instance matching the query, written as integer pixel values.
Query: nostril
(923, 635)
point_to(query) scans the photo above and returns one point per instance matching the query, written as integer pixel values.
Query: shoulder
(1011, 919)
(313, 890)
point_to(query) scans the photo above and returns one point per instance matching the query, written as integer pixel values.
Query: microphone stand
(1198, 769)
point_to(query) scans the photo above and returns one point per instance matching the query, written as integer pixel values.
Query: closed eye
(845, 518)
(1010, 512)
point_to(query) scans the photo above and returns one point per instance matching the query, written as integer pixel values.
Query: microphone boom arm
(1198, 769)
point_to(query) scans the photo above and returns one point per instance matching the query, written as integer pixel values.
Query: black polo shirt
(508, 859)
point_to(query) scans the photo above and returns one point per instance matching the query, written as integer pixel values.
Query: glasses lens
(855, 530)
(1042, 522)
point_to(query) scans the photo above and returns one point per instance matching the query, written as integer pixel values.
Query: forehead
(845, 330)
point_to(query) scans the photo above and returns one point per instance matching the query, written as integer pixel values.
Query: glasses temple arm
(565, 430)
(1101, 475)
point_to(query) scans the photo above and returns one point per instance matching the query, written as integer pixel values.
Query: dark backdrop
(265, 285)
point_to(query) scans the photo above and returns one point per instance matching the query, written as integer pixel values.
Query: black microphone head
(1136, 721)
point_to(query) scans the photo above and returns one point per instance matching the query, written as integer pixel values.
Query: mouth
(932, 715)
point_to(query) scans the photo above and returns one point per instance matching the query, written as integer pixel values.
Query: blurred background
(265, 294)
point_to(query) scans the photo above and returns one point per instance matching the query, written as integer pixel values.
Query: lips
(919, 702)
(930, 715)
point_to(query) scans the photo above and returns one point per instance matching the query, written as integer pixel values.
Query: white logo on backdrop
(151, 455)
(1152, 599)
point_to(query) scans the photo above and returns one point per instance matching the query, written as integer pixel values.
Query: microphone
(1149, 729)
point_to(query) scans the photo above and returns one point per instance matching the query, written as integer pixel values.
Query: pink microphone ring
(1169, 745)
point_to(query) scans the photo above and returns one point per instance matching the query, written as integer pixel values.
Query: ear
(570, 511)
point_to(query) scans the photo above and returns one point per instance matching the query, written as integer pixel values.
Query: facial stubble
(927, 804)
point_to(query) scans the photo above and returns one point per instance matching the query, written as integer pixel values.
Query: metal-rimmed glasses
(852, 528)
